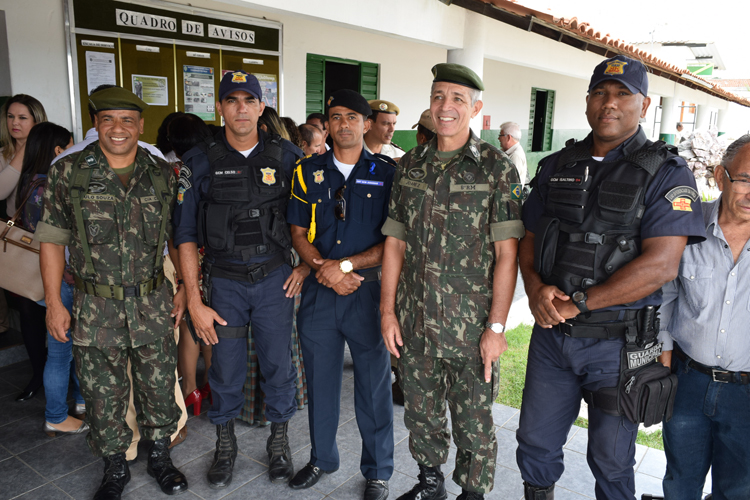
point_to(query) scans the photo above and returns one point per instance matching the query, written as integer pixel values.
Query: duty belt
(241, 272)
(119, 292)
(723, 376)
(601, 325)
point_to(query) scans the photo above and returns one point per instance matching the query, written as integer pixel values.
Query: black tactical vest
(244, 211)
(592, 218)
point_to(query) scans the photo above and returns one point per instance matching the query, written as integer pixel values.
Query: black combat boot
(531, 492)
(220, 473)
(280, 468)
(431, 485)
(171, 481)
(116, 476)
(470, 495)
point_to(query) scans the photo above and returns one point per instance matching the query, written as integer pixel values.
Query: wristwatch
(495, 327)
(579, 299)
(346, 266)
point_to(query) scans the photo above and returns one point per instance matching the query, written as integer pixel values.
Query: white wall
(508, 95)
(36, 43)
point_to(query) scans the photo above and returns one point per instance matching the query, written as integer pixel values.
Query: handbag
(20, 272)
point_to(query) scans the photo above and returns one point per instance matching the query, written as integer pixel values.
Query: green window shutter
(316, 70)
(532, 110)
(548, 120)
(368, 80)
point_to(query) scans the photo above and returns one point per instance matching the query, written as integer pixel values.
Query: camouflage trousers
(105, 387)
(428, 383)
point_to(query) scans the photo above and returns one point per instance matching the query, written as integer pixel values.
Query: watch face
(346, 266)
(578, 296)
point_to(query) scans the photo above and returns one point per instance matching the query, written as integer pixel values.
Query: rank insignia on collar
(269, 176)
(516, 191)
(474, 150)
(615, 68)
(318, 176)
(90, 160)
(238, 77)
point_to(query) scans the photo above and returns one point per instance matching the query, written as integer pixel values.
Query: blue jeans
(60, 368)
(709, 428)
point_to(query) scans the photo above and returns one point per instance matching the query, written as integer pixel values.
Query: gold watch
(346, 266)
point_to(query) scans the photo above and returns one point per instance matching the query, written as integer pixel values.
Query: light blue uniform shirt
(706, 309)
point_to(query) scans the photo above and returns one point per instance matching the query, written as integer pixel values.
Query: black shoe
(431, 485)
(220, 473)
(116, 476)
(29, 393)
(470, 495)
(531, 492)
(280, 468)
(171, 481)
(376, 489)
(308, 476)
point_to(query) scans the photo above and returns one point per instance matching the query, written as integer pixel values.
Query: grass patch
(513, 374)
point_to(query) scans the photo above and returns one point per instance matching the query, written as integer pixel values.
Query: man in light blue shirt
(705, 320)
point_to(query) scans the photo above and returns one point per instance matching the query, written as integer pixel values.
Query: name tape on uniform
(368, 183)
(464, 188)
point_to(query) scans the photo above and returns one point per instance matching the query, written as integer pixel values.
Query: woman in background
(45, 142)
(18, 115)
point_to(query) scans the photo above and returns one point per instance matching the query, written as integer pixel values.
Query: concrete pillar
(472, 53)
(667, 127)
(721, 121)
(703, 115)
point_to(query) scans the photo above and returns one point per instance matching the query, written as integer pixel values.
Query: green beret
(116, 98)
(382, 106)
(457, 73)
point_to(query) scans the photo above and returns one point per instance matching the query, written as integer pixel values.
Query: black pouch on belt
(545, 245)
(647, 388)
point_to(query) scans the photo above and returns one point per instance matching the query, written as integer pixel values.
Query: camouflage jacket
(122, 228)
(449, 213)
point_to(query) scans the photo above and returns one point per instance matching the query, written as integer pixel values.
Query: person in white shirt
(510, 134)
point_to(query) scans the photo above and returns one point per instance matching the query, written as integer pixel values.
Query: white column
(668, 125)
(472, 53)
(703, 114)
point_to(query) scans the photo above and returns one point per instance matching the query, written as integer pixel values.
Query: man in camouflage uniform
(449, 271)
(111, 205)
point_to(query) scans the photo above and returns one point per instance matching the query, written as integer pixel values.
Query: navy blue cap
(349, 99)
(629, 72)
(239, 80)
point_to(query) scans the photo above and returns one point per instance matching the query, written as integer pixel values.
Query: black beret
(349, 99)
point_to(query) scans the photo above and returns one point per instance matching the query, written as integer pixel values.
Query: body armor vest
(592, 218)
(244, 211)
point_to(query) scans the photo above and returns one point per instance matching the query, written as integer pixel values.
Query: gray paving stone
(579, 441)
(654, 463)
(59, 457)
(647, 484)
(563, 494)
(577, 476)
(512, 423)
(262, 488)
(193, 447)
(47, 492)
(245, 470)
(501, 414)
(17, 478)
(506, 448)
(83, 483)
(4, 454)
(25, 433)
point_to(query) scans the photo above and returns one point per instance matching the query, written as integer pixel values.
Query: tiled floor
(35, 466)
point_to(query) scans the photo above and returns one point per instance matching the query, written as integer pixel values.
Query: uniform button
(338, 242)
(729, 301)
(320, 201)
(692, 277)
(369, 195)
(722, 330)
(718, 357)
(732, 274)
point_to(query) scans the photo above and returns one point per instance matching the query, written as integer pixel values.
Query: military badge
(269, 176)
(238, 77)
(318, 176)
(90, 160)
(516, 191)
(615, 68)
(417, 173)
(468, 177)
(383, 106)
(97, 187)
(330, 100)
(181, 195)
(474, 150)
(94, 230)
(681, 198)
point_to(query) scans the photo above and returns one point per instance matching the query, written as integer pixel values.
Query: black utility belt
(601, 325)
(118, 292)
(250, 274)
(372, 275)
(723, 376)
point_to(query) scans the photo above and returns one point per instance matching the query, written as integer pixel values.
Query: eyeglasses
(502, 135)
(340, 209)
(739, 186)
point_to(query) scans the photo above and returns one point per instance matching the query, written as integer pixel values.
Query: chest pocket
(230, 185)
(99, 223)
(619, 203)
(695, 280)
(151, 213)
(467, 210)
(324, 206)
(367, 203)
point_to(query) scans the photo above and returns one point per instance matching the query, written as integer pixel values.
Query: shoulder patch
(682, 192)
(516, 191)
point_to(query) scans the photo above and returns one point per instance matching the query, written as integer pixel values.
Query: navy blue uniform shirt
(367, 193)
(659, 218)
(195, 178)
